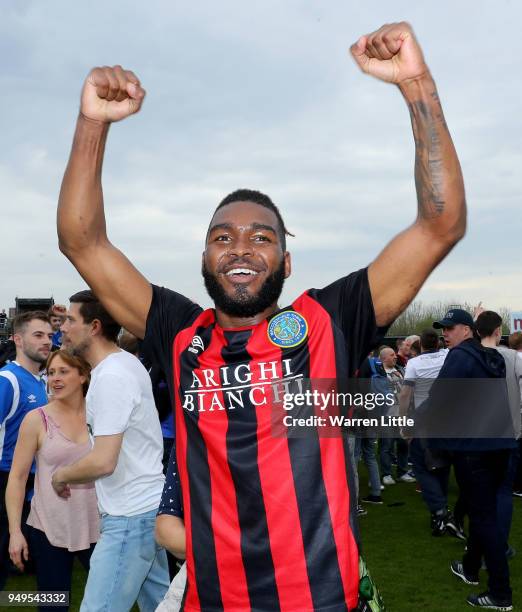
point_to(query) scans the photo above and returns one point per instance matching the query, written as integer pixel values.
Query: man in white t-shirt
(125, 462)
(431, 470)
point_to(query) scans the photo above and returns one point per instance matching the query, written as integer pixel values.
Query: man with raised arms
(270, 520)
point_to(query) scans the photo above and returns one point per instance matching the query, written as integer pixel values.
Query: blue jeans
(433, 483)
(366, 447)
(126, 565)
(387, 446)
(352, 442)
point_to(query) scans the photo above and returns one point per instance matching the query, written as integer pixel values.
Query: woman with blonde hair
(56, 434)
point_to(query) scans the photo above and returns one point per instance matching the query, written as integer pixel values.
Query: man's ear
(288, 264)
(96, 327)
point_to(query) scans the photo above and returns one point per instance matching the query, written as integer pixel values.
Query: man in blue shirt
(21, 390)
(57, 314)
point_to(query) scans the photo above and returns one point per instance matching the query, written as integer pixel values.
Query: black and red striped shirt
(269, 519)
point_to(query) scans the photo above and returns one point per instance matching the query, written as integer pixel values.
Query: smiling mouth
(239, 275)
(241, 272)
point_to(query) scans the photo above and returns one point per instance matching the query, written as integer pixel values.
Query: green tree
(418, 316)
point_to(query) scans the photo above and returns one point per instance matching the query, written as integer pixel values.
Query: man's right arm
(7, 394)
(109, 95)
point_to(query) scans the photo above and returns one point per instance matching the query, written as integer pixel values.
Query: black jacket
(468, 407)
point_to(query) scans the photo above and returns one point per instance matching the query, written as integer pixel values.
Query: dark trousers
(168, 443)
(480, 476)
(518, 472)
(505, 496)
(54, 565)
(5, 561)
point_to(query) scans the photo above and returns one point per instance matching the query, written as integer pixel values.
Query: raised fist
(111, 94)
(390, 54)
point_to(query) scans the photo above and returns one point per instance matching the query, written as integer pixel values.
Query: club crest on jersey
(197, 343)
(287, 329)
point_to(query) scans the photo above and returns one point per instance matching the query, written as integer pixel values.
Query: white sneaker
(370, 486)
(407, 478)
(388, 480)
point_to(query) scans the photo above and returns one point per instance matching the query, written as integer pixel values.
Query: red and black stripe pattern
(269, 519)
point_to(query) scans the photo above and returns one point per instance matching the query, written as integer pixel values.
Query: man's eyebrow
(220, 226)
(255, 226)
(263, 226)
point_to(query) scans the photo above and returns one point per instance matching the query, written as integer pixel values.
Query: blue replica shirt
(167, 427)
(20, 392)
(57, 339)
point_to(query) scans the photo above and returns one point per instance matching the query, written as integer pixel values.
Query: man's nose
(241, 246)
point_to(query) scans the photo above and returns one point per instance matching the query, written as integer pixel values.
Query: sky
(262, 96)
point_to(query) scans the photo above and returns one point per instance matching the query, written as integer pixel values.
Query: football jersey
(20, 392)
(270, 520)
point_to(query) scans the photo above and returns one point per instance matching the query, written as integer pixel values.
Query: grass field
(410, 567)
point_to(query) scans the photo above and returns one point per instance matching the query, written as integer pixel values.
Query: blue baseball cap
(454, 316)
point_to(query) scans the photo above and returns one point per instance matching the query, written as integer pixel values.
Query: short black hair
(487, 322)
(429, 339)
(91, 308)
(21, 320)
(256, 197)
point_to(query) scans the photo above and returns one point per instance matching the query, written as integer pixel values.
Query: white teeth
(241, 271)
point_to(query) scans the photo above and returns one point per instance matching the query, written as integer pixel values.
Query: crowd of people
(265, 522)
(82, 469)
(88, 471)
(488, 469)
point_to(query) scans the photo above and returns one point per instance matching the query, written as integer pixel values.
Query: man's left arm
(393, 54)
(405, 397)
(100, 462)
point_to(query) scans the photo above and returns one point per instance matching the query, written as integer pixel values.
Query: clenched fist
(111, 94)
(391, 54)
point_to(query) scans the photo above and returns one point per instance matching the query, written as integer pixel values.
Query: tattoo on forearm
(428, 126)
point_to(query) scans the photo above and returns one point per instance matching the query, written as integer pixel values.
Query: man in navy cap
(480, 463)
(456, 325)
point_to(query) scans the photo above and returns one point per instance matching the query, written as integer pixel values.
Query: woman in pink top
(59, 529)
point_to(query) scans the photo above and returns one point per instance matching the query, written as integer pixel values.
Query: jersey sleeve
(349, 303)
(171, 497)
(169, 313)
(6, 397)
